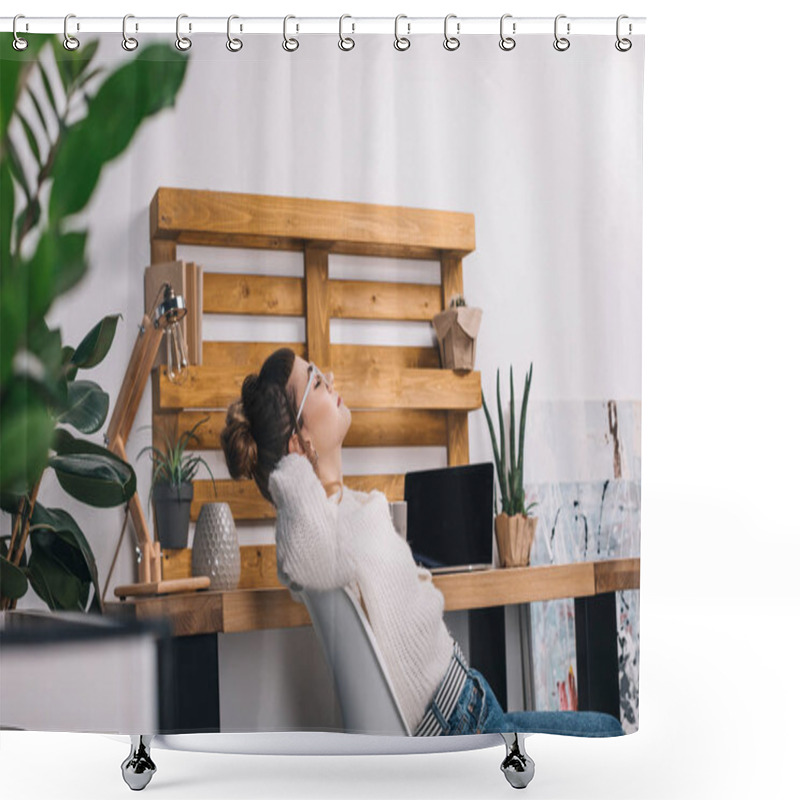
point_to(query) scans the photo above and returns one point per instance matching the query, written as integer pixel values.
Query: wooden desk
(188, 664)
(239, 610)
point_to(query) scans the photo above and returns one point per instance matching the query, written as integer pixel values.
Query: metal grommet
(290, 45)
(345, 42)
(451, 42)
(401, 42)
(561, 43)
(506, 42)
(182, 42)
(70, 42)
(128, 42)
(233, 44)
(19, 44)
(623, 45)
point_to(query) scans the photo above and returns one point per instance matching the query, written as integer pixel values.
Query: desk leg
(596, 645)
(188, 676)
(487, 648)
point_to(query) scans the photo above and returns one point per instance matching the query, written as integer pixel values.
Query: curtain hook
(182, 42)
(507, 42)
(346, 42)
(19, 44)
(561, 43)
(290, 45)
(401, 42)
(128, 42)
(451, 42)
(233, 44)
(70, 42)
(623, 45)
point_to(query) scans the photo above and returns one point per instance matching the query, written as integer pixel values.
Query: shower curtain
(542, 146)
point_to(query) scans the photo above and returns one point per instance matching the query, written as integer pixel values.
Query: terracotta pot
(514, 539)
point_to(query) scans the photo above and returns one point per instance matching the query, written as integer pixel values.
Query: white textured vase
(215, 549)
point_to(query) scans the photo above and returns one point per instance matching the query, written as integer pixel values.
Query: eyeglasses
(313, 371)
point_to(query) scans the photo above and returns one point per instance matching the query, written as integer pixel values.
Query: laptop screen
(450, 515)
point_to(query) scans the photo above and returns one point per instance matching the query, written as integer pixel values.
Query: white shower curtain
(544, 148)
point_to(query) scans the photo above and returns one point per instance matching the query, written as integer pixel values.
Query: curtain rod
(406, 26)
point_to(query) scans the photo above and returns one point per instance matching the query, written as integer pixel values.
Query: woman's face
(325, 418)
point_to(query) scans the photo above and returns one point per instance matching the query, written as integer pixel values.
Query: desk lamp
(163, 319)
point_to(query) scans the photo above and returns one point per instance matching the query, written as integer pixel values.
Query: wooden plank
(245, 611)
(241, 293)
(162, 250)
(452, 283)
(384, 300)
(457, 438)
(452, 279)
(616, 574)
(391, 428)
(234, 293)
(499, 587)
(259, 566)
(318, 321)
(257, 609)
(247, 503)
(252, 355)
(167, 427)
(216, 387)
(194, 216)
(190, 614)
(364, 357)
(242, 496)
(164, 586)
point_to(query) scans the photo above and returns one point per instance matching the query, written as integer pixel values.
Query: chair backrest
(366, 697)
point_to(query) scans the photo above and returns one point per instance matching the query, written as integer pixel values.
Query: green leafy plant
(59, 126)
(509, 475)
(172, 464)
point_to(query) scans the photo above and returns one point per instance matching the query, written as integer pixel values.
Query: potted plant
(48, 174)
(513, 527)
(456, 331)
(172, 490)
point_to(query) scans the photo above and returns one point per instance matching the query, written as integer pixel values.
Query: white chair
(366, 696)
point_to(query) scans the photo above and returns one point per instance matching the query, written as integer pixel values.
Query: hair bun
(238, 444)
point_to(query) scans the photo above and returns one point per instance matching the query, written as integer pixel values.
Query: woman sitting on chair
(286, 432)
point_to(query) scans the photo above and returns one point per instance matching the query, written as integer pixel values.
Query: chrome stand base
(138, 768)
(518, 766)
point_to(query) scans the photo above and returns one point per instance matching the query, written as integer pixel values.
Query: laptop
(449, 517)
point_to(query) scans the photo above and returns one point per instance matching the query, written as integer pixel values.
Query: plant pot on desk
(514, 539)
(173, 503)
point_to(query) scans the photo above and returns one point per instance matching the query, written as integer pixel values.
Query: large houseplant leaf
(13, 582)
(91, 473)
(135, 91)
(88, 407)
(96, 344)
(68, 545)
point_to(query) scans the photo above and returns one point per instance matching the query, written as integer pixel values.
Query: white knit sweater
(324, 544)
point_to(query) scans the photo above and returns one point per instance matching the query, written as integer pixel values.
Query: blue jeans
(479, 711)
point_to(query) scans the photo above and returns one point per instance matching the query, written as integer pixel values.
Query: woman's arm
(312, 549)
